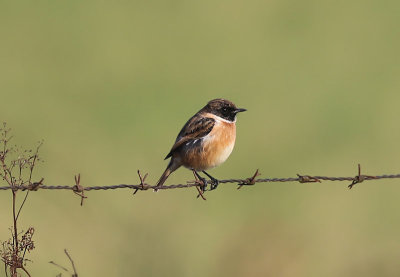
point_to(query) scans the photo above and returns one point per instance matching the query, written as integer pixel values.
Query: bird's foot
(214, 183)
(201, 181)
(203, 184)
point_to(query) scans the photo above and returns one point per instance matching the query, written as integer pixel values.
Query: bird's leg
(214, 182)
(203, 180)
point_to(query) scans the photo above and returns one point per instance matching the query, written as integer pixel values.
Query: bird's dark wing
(196, 128)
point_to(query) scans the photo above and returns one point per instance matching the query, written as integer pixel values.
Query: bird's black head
(223, 108)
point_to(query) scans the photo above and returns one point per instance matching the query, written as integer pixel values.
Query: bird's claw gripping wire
(201, 184)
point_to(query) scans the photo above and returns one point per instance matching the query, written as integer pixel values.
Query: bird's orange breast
(215, 147)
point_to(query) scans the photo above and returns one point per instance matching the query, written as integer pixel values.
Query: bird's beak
(240, 110)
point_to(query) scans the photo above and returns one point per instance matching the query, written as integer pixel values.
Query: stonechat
(205, 141)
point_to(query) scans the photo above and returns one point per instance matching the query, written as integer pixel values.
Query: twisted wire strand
(248, 181)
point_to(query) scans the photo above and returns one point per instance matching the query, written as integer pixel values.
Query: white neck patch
(218, 118)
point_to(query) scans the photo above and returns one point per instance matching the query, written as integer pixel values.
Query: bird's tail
(172, 166)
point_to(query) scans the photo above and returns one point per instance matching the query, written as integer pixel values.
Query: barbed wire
(78, 188)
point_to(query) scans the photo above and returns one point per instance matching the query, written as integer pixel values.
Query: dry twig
(75, 274)
(16, 169)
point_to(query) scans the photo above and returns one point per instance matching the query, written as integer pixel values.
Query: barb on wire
(143, 185)
(35, 186)
(78, 189)
(360, 178)
(249, 181)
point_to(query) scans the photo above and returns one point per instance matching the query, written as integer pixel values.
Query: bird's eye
(225, 109)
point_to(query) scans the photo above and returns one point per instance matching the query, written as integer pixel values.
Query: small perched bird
(205, 141)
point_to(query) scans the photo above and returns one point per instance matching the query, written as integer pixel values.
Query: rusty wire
(77, 188)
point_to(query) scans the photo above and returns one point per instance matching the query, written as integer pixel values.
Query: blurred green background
(109, 85)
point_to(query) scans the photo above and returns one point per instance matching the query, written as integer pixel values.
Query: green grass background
(109, 85)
